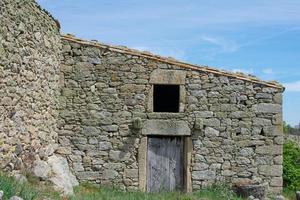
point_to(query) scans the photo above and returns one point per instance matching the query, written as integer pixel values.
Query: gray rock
(166, 127)
(41, 169)
(210, 132)
(62, 177)
(280, 197)
(200, 166)
(20, 178)
(251, 198)
(204, 175)
(1, 194)
(104, 146)
(16, 198)
(267, 108)
(247, 152)
(131, 173)
(111, 128)
(110, 174)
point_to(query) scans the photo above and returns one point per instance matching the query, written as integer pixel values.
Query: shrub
(11, 188)
(291, 166)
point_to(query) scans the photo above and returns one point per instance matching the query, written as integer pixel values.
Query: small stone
(298, 195)
(280, 197)
(15, 198)
(247, 152)
(104, 146)
(20, 178)
(131, 173)
(110, 128)
(1, 194)
(109, 174)
(19, 149)
(200, 166)
(210, 132)
(251, 197)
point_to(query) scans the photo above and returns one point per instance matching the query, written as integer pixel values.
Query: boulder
(258, 191)
(41, 169)
(62, 177)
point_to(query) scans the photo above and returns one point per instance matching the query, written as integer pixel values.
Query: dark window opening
(262, 132)
(166, 98)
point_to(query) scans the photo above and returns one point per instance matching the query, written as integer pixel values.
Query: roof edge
(168, 60)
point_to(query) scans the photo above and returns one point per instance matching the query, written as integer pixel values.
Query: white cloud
(292, 87)
(226, 46)
(268, 71)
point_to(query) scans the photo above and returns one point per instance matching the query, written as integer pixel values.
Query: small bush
(89, 192)
(217, 192)
(291, 166)
(11, 188)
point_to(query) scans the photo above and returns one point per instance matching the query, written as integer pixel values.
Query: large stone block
(240, 114)
(268, 108)
(276, 182)
(131, 173)
(119, 155)
(88, 175)
(270, 170)
(166, 127)
(200, 166)
(210, 132)
(269, 150)
(109, 174)
(163, 76)
(204, 175)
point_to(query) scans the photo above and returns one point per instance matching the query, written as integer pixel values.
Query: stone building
(128, 118)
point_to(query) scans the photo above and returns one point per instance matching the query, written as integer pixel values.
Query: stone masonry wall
(236, 125)
(29, 65)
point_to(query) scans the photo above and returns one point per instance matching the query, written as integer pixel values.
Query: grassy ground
(87, 191)
(32, 190)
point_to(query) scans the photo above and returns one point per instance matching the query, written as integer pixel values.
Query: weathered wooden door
(165, 164)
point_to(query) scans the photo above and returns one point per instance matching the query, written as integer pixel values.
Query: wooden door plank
(165, 164)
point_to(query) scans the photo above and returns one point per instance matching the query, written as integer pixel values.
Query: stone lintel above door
(166, 128)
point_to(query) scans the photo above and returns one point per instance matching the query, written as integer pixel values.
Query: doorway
(165, 164)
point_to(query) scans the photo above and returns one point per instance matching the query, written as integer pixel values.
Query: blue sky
(261, 37)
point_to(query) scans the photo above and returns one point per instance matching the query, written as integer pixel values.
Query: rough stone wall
(29, 65)
(236, 125)
(293, 137)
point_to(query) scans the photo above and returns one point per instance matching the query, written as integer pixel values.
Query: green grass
(28, 191)
(289, 194)
(34, 190)
(88, 192)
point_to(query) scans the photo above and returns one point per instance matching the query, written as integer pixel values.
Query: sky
(259, 37)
